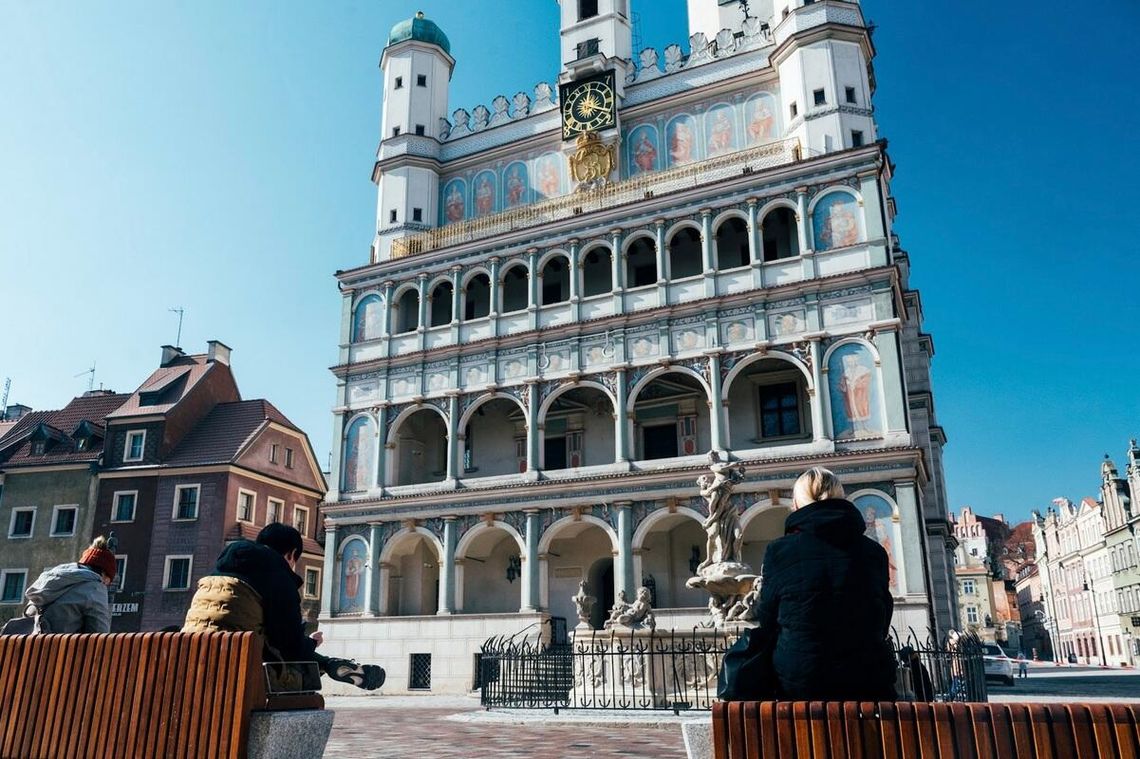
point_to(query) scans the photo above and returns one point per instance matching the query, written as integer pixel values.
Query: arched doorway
(600, 585)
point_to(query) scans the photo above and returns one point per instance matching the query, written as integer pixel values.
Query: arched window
(366, 319)
(685, 258)
(441, 302)
(555, 281)
(597, 272)
(359, 453)
(781, 238)
(732, 244)
(478, 302)
(515, 296)
(408, 312)
(641, 263)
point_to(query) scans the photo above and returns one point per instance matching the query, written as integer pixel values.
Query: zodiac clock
(588, 105)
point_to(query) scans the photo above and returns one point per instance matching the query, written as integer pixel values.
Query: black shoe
(367, 676)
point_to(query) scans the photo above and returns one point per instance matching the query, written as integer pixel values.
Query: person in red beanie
(73, 598)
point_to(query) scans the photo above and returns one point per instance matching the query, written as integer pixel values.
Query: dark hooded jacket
(825, 608)
(267, 572)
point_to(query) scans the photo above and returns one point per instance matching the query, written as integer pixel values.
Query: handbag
(746, 672)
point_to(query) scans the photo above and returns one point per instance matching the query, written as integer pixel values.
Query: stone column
(716, 405)
(621, 415)
(623, 561)
(532, 431)
(372, 579)
(755, 243)
(447, 570)
(662, 261)
(533, 276)
(575, 278)
(381, 479)
(910, 568)
(384, 570)
(617, 271)
(386, 315)
(453, 438)
(327, 606)
(820, 392)
(421, 285)
(708, 257)
(804, 233)
(530, 585)
(496, 288)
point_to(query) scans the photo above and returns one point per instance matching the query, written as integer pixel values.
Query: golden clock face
(588, 106)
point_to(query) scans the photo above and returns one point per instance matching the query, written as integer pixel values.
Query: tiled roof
(192, 368)
(245, 531)
(219, 437)
(92, 408)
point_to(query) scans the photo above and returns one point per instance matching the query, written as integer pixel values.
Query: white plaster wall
(665, 555)
(493, 439)
(612, 29)
(485, 586)
(582, 546)
(452, 641)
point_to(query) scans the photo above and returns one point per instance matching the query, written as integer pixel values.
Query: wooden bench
(807, 730)
(141, 695)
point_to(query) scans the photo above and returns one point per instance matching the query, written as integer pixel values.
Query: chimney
(218, 351)
(170, 354)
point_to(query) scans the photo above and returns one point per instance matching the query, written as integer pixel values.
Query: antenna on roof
(636, 41)
(91, 377)
(4, 400)
(180, 311)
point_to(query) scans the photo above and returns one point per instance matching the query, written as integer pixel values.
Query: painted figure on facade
(366, 326)
(358, 455)
(761, 122)
(880, 527)
(352, 568)
(836, 222)
(485, 194)
(854, 393)
(516, 185)
(454, 205)
(644, 151)
(549, 176)
(721, 132)
(681, 140)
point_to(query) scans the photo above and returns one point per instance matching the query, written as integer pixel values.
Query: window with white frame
(301, 519)
(969, 587)
(23, 522)
(275, 511)
(246, 506)
(186, 502)
(135, 445)
(63, 521)
(123, 506)
(312, 582)
(972, 615)
(120, 573)
(176, 573)
(12, 583)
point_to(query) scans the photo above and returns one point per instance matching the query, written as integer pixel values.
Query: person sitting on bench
(254, 588)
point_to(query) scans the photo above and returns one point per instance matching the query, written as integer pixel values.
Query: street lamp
(1096, 622)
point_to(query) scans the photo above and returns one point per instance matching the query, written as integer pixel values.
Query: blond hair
(816, 484)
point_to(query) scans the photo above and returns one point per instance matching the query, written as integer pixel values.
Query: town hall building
(576, 294)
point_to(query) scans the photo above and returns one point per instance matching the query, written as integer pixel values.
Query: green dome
(422, 29)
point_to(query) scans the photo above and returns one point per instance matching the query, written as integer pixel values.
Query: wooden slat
(1103, 733)
(1023, 743)
(889, 731)
(907, 724)
(963, 730)
(980, 723)
(785, 729)
(762, 730)
(720, 714)
(1080, 717)
(853, 727)
(801, 727)
(927, 732)
(1042, 731)
(1124, 722)
(1061, 728)
(818, 716)
(836, 729)
(1001, 724)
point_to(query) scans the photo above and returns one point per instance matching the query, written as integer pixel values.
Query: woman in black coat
(825, 601)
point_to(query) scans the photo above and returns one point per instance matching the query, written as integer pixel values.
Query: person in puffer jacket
(72, 598)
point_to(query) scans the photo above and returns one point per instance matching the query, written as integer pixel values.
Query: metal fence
(677, 670)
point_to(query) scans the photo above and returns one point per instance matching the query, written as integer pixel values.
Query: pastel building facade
(576, 294)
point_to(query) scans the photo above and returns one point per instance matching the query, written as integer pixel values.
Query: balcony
(749, 161)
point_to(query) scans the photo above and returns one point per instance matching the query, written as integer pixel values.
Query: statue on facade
(583, 604)
(637, 615)
(723, 573)
(747, 608)
(619, 607)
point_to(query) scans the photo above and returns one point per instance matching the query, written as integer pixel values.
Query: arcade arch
(576, 550)
(670, 416)
(411, 562)
(770, 403)
(494, 438)
(597, 272)
(419, 455)
(578, 429)
(641, 262)
(489, 570)
(670, 546)
(685, 255)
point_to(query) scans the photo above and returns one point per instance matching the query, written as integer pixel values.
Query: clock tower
(596, 36)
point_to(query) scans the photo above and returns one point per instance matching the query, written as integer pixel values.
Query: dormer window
(133, 450)
(81, 444)
(38, 447)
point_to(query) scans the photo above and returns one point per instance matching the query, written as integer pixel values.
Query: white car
(998, 665)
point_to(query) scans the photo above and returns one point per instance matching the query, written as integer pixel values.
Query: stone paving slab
(376, 728)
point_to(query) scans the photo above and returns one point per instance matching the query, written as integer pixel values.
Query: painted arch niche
(835, 221)
(855, 393)
(359, 453)
(353, 568)
(882, 528)
(366, 319)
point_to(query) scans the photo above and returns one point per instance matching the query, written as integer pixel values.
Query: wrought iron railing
(677, 670)
(747, 161)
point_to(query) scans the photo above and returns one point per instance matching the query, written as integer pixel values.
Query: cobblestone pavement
(1064, 685)
(424, 729)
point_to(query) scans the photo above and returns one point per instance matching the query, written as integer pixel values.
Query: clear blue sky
(216, 156)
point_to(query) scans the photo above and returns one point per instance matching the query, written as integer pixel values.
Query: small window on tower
(795, 110)
(588, 48)
(849, 93)
(396, 131)
(420, 129)
(392, 216)
(820, 97)
(399, 83)
(587, 9)
(417, 214)
(421, 80)
(856, 138)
